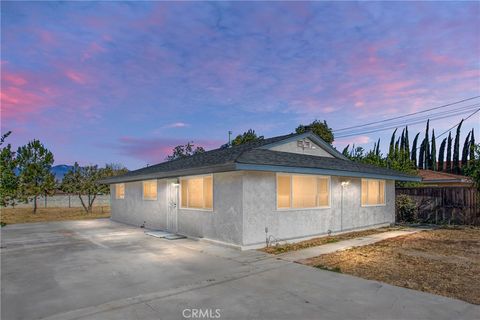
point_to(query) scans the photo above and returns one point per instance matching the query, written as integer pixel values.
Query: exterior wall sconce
(345, 183)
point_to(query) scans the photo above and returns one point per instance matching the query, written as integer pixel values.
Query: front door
(172, 205)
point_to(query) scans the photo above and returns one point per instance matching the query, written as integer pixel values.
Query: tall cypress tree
(433, 156)
(407, 144)
(456, 150)
(402, 146)
(472, 146)
(397, 150)
(426, 141)
(413, 156)
(421, 156)
(391, 149)
(449, 153)
(441, 155)
(377, 150)
(465, 150)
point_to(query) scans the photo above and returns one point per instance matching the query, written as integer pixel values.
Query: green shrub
(405, 208)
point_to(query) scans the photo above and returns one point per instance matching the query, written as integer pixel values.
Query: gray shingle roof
(226, 159)
(287, 159)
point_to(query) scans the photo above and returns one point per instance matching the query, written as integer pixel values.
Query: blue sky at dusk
(125, 82)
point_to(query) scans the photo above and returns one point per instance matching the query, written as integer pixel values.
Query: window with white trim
(120, 191)
(373, 192)
(302, 191)
(197, 192)
(150, 190)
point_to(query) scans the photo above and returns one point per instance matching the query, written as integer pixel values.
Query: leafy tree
(413, 156)
(473, 168)
(433, 156)
(83, 181)
(456, 150)
(466, 150)
(319, 128)
(8, 178)
(245, 137)
(441, 155)
(35, 178)
(183, 151)
(449, 153)
(4, 136)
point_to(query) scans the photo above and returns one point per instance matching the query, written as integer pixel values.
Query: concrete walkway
(343, 245)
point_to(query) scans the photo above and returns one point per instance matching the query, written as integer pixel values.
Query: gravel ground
(443, 261)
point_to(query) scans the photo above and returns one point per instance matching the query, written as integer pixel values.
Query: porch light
(345, 183)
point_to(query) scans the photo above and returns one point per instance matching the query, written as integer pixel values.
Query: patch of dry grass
(281, 248)
(443, 261)
(23, 215)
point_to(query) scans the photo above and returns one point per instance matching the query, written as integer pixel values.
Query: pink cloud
(358, 140)
(18, 103)
(155, 150)
(177, 125)
(93, 49)
(75, 76)
(14, 79)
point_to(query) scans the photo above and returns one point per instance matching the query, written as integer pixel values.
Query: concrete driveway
(100, 269)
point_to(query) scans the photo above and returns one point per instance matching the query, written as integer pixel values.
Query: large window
(120, 191)
(150, 190)
(197, 192)
(373, 192)
(302, 191)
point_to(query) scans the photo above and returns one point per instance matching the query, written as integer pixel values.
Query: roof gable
(318, 148)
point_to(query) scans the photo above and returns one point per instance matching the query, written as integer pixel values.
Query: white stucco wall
(135, 211)
(244, 203)
(294, 148)
(259, 205)
(224, 223)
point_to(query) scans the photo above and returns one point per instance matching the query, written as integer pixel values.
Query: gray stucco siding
(134, 210)
(260, 210)
(223, 223)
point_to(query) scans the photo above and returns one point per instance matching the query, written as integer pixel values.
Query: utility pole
(229, 138)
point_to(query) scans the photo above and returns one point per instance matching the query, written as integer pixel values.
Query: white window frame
(213, 193)
(143, 190)
(384, 193)
(291, 191)
(116, 195)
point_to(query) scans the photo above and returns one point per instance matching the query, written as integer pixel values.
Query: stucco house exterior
(291, 187)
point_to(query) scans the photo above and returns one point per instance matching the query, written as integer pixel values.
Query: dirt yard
(443, 261)
(23, 215)
(281, 248)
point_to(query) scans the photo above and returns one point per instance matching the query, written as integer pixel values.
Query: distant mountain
(60, 170)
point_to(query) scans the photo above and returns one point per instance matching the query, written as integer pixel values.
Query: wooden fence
(452, 205)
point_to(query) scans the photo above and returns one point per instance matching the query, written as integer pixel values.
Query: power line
(396, 126)
(407, 115)
(451, 128)
(385, 126)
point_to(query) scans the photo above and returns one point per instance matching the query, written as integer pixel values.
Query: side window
(120, 191)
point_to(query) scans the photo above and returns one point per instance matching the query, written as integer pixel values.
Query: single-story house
(291, 187)
(432, 178)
